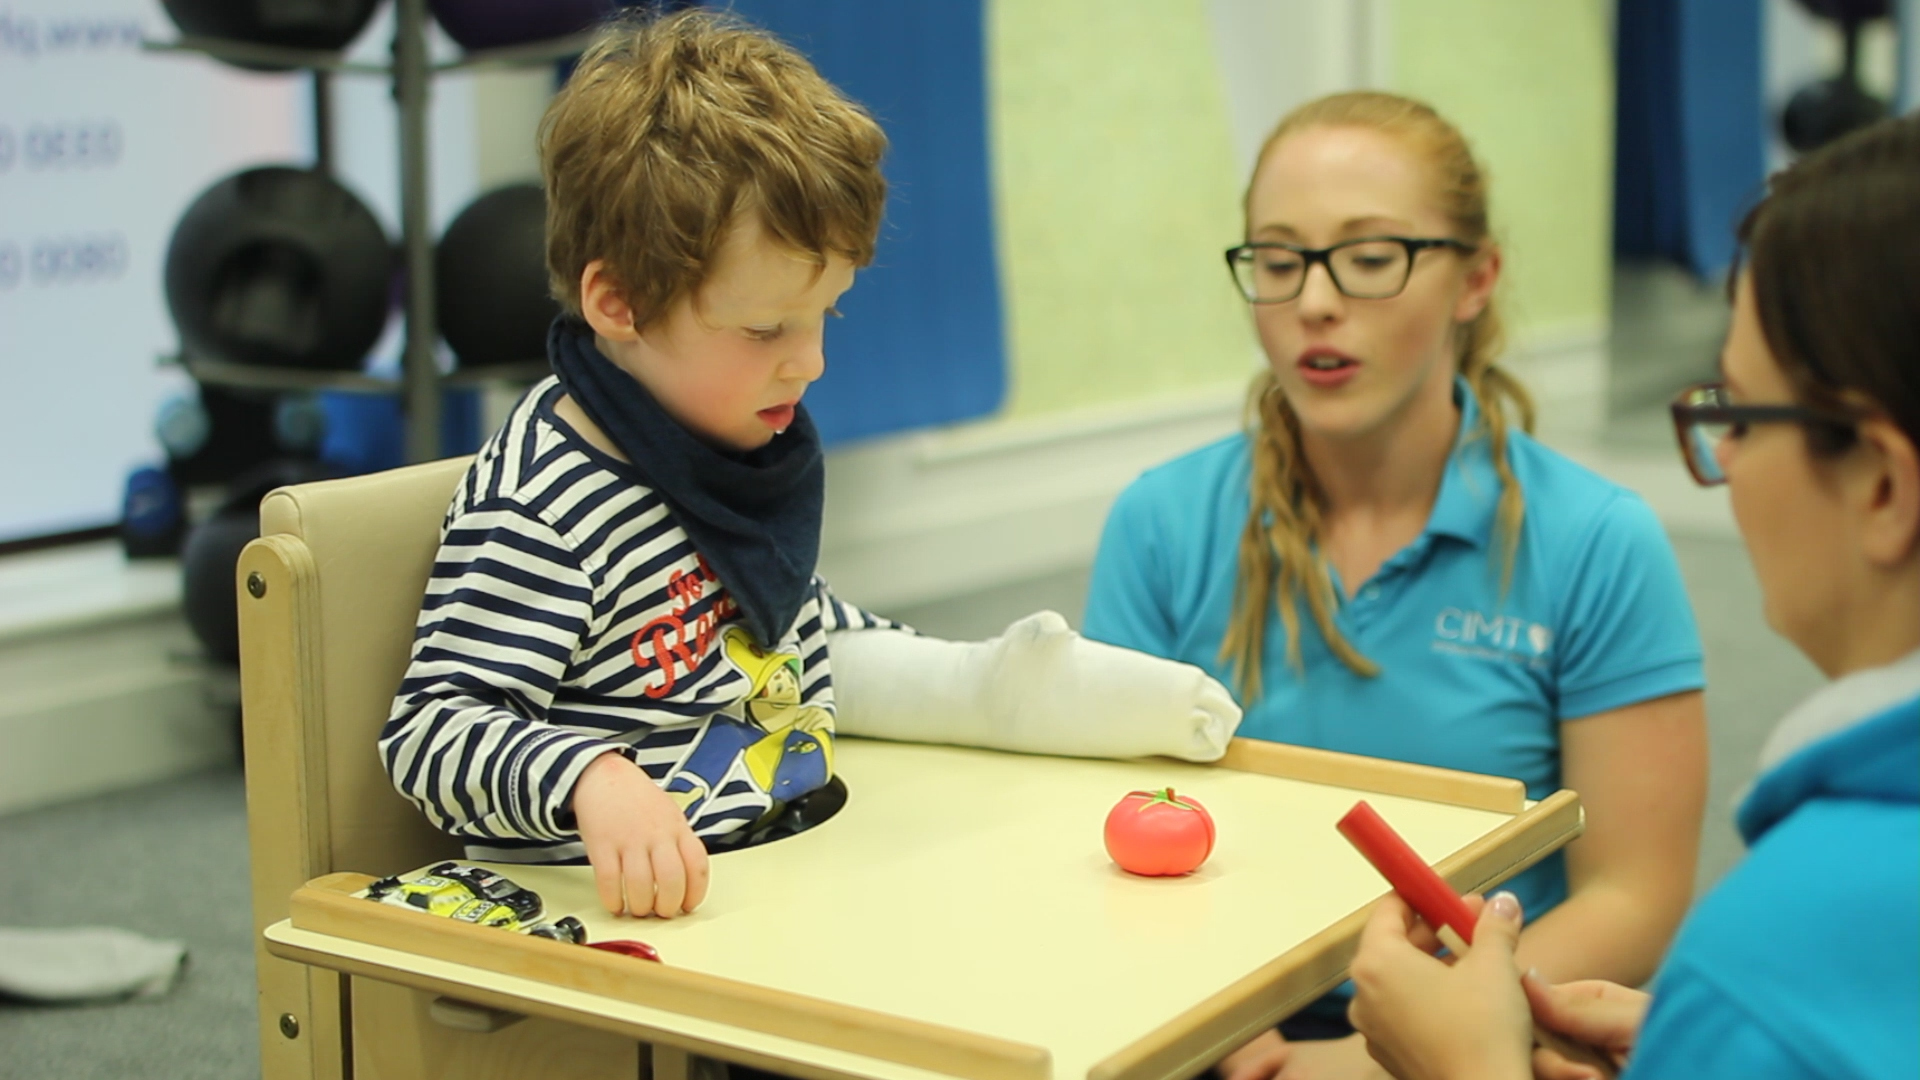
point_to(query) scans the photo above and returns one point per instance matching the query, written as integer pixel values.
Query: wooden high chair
(930, 931)
(328, 599)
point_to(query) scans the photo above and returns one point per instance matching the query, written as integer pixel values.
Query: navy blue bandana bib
(754, 516)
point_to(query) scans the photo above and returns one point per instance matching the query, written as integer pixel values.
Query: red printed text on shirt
(674, 644)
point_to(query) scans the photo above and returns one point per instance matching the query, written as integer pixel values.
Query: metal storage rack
(412, 72)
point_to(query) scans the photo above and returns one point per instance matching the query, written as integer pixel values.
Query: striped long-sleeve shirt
(567, 616)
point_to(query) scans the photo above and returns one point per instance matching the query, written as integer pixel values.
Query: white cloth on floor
(86, 963)
(1038, 688)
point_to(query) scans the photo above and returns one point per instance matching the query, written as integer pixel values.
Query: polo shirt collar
(1470, 488)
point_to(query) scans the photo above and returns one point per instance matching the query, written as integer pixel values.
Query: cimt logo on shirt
(1491, 637)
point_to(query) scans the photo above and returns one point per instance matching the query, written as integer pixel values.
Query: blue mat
(921, 343)
(1691, 128)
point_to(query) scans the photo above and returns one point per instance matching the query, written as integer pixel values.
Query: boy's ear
(603, 303)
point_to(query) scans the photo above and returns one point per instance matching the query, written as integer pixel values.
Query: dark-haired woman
(1805, 960)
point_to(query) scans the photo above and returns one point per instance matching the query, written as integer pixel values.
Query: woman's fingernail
(1506, 905)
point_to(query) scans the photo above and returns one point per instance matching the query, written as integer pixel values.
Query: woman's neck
(1389, 472)
(1881, 626)
(1380, 488)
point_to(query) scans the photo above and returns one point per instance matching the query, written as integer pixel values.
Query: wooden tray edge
(326, 906)
(358, 967)
(1450, 786)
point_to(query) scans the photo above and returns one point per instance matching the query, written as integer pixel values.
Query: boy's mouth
(779, 417)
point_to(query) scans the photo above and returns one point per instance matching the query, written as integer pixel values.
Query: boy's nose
(808, 360)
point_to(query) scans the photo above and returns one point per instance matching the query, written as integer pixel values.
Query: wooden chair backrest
(328, 597)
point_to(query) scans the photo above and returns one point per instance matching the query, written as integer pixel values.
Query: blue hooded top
(1805, 960)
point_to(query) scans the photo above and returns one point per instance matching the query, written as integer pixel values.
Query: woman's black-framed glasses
(1368, 268)
(1703, 415)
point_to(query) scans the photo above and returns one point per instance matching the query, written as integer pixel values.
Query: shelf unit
(412, 72)
(254, 377)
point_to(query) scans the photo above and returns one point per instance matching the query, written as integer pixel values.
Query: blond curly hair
(671, 128)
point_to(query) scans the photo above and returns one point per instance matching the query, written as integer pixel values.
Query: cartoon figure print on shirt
(784, 748)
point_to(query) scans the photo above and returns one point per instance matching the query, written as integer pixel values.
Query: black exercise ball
(281, 267)
(211, 556)
(1821, 112)
(489, 24)
(207, 564)
(491, 279)
(305, 24)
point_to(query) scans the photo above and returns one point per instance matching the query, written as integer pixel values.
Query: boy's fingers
(638, 877)
(693, 855)
(669, 880)
(606, 877)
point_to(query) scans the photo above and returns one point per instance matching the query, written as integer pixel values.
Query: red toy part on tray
(1159, 834)
(626, 947)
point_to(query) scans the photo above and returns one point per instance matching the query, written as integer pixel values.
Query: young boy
(623, 648)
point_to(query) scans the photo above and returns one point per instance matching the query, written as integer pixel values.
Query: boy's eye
(768, 333)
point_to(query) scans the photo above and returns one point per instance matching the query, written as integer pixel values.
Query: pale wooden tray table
(960, 918)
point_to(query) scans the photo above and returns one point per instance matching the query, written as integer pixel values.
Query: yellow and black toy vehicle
(474, 894)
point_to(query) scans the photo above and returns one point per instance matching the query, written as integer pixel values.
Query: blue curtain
(921, 343)
(1690, 128)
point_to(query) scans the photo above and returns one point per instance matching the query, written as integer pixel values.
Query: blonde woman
(1383, 564)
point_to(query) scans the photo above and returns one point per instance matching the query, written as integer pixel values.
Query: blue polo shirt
(1596, 617)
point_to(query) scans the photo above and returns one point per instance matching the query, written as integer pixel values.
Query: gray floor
(170, 860)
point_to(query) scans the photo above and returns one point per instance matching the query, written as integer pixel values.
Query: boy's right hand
(646, 860)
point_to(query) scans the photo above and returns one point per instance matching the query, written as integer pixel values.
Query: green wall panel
(1531, 84)
(1116, 191)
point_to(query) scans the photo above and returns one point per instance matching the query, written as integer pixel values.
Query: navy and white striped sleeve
(836, 614)
(468, 740)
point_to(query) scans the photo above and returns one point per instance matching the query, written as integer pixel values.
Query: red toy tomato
(1159, 834)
